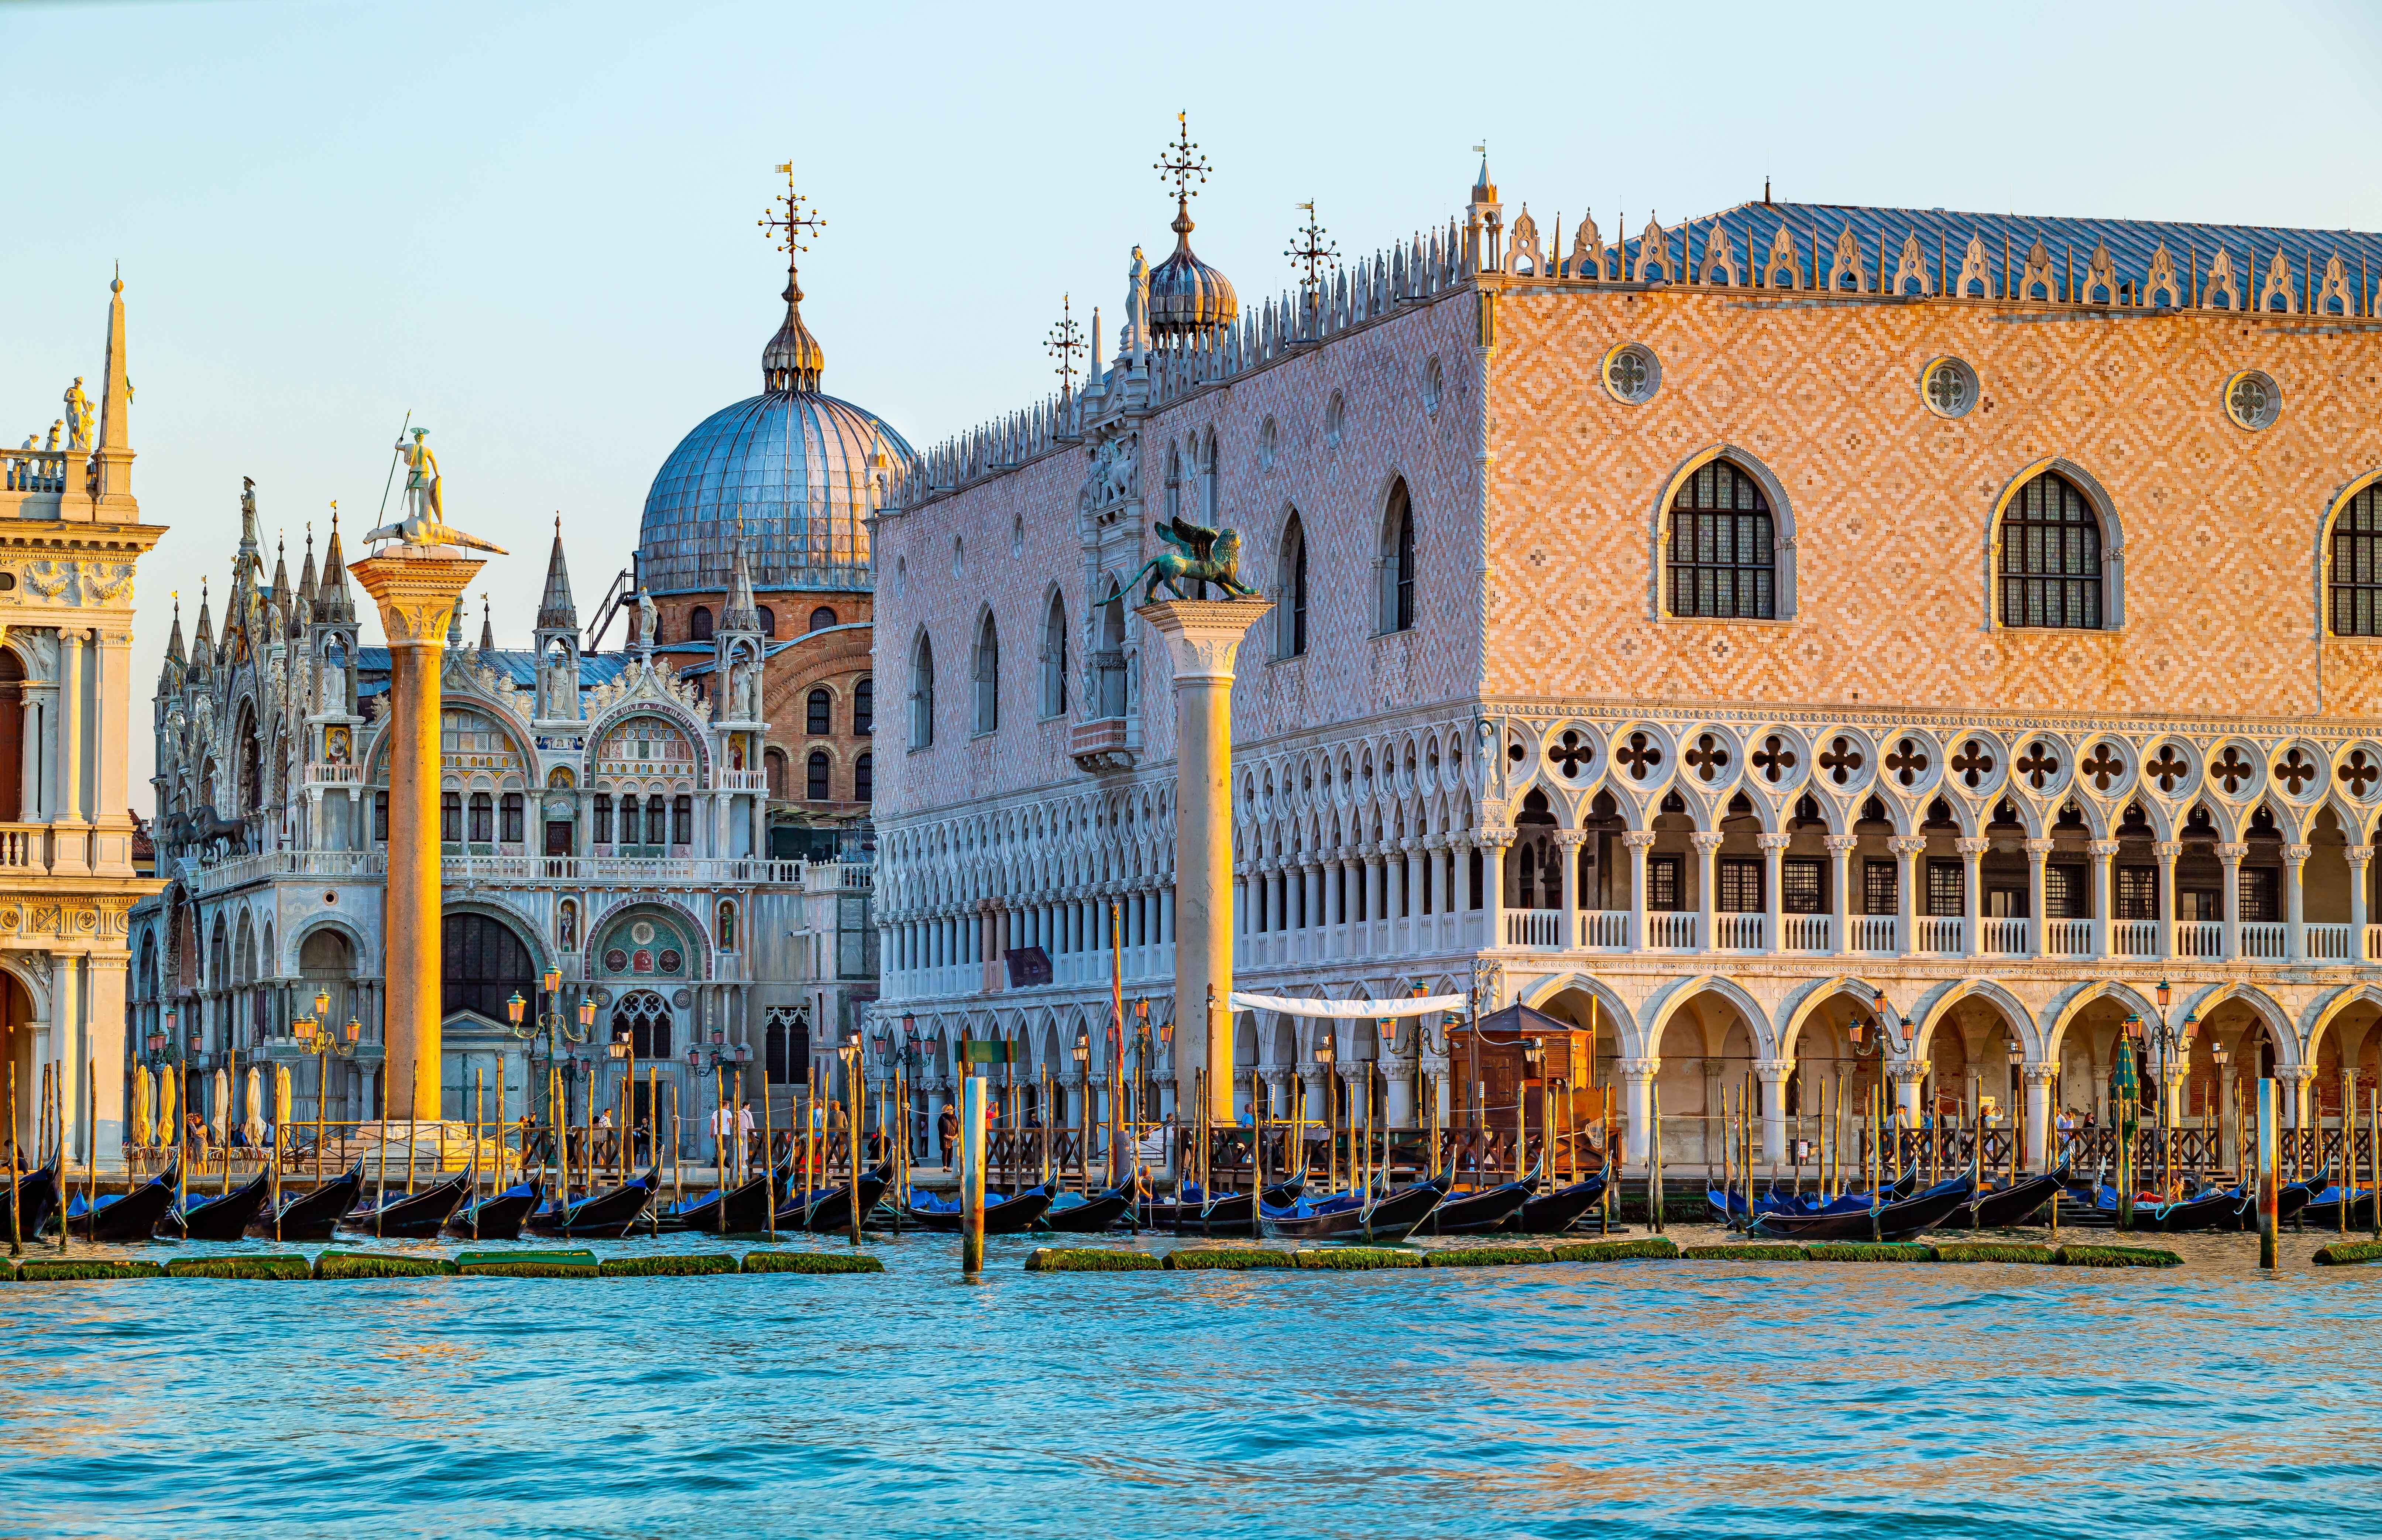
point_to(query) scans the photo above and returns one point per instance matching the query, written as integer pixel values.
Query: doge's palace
(1729, 637)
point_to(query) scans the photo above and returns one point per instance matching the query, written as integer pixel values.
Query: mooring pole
(971, 1175)
(2269, 1220)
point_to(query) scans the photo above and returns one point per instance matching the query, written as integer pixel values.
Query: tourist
(947, 1128)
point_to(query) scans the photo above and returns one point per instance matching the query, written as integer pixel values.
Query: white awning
(1349, 1010)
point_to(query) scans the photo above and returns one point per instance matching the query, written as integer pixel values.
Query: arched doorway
(482, 965)
(644, 1019)
(325, 965)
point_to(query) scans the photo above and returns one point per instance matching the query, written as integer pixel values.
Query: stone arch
(1661, 1006)
(2288, 1049)
(2330, 516)
(1934, 1008)
(1624, 1021)
(1782, 525)
(2325, 1008)
(2113, 537)
(366, 958)
(2061, 1011)
(1796, 1011)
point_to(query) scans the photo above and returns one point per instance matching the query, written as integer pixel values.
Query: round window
(616, 961)
(2252, 399)
(1948, 386)
(1632, 373)
(1431, 385)
(641, 932)
(671, 962)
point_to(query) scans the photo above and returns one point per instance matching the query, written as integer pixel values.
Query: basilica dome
(1187, 298)
(797, 466)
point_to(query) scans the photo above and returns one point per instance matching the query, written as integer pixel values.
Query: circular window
(616, 961)
(1632, 373)
(671, 962)
(1266, 438)
(641, 932)
(1431, 385)
(2252, 399)
(1948, 386)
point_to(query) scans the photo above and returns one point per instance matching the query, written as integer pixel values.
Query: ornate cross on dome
(786, 230)
(1065, 340)
(1187, 164)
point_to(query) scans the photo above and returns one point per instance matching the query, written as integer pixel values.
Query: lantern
(514, 1006)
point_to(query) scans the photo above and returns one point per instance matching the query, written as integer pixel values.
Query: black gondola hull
(831, 1212)
(1896, 1221)
(1476, 1213)
(33, 1201)
(744, 1210)
(1555, 1213)
(499, 1217)
(413, 1215)
(1095, 1212)
(1392, 1218)
(133, 1216)
(226, 1216)
(606, 1216)
(2011, 1205)
(1009, 1216)
(314, 1215)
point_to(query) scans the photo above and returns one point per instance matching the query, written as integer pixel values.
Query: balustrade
(1873, 935)
(2068, 938)
(1534, 928)
(2329, 943)
(1671, 932)
(1740, 933)
(2006, 938)
(1605, 930)
(2200, 938)
(24, 847)
(1808, 932)
(1940, 935)
(2136, 938)
(2265, 941)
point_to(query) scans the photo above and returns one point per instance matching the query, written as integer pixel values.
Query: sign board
(1028, 965)
(989, 1050)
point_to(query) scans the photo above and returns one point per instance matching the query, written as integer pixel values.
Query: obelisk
(415, 582)
(1202, 638)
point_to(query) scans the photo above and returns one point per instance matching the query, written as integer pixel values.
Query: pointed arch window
(698, 623)
(2051, 545)
(986, 675)
(1289, 581)
(1722, 557)
(1054, 658)
(1397, 564)
(922, 693)
(2356, 576)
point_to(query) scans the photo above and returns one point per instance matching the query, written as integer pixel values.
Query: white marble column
(2359, 856)
(70, 843)
(2038, 852)
(1636, 1096)
(2294, 911)
(1638, 841)
(2231, 854)
(1707, 844)
(2040, 1075)
(1840, 883)
(1773, 899)
(2166, 851)
(1568, 844)
(2102, 852)
(1772, 1075)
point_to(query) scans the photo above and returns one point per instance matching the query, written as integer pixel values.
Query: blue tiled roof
(595, 667)
(1943, 234)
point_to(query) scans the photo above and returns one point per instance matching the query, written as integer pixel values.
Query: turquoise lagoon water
(1644, 1398)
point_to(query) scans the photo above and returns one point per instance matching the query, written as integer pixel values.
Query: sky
(532, 226)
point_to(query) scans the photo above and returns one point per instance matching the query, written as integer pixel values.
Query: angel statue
(1197, 556)
(425, 523)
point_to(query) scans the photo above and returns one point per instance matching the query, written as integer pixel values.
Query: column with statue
(1203, 636)
(415, 578)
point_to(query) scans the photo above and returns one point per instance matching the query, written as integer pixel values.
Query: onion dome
(1187, 298)
(797, 466)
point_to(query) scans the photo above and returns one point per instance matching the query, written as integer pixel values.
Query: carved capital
(1973, 846)
(2041, 1072)
(2231, 854)
(2101, 850)
(1774, 842)
(2295, 853)
(2168, 850)
(1571, 839)
(1203, 636)
(416, 593)
(1908, 844)
(1638, 1069)
(2358, 853)
(1705, 840)
(2036, 849)
(1773, 1071)
(1840, 844)
(1639, 839)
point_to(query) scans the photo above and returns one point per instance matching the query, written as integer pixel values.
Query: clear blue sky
(532, 225)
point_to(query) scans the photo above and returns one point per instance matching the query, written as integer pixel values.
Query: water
(1633, 1398)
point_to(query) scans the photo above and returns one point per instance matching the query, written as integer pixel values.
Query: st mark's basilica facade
(679, 826)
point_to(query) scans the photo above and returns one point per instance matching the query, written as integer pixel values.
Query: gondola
(825, 1211)
(1077, 1215)
(314, 1215)
(2291, 1199)
(743, 1210)
(1555, 1213)
(2206, 1210)
(1896, 1220)
(2322, 1211)
(606, 1216)
(1226, 1213)
(414, 1215)
(2000, 1208)
(36, 1198)
(1489, 1209)
(1009, 1216)
(497, 1216)
(123, 1216)
(1349, 1217)
(1730, 1207)
(225, 1216)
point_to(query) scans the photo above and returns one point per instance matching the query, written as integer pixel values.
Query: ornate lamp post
(315, 1035)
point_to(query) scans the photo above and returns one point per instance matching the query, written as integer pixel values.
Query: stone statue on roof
(79, 416)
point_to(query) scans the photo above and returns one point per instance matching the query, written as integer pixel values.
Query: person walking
(947, 1129)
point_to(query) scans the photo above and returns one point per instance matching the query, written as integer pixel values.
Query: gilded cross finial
(787, 221)
(1064, 342)
(1187, 164)
(1311, 251)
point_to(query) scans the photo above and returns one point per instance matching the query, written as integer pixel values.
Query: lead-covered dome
(1187, 298)
(797, 466)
